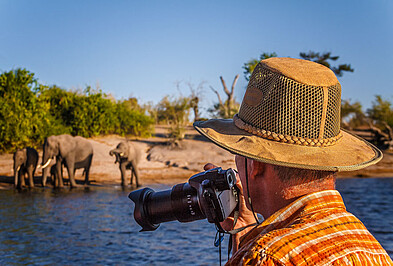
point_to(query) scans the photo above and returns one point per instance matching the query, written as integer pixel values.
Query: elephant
(128, 156)
(25, 161)
(53, 175)
(72, 152)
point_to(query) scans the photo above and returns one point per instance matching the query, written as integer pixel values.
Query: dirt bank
(162, 163)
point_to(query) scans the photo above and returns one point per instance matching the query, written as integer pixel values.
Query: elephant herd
(72, 153)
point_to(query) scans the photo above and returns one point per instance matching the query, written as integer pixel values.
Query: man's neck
(276, 194)
(298, 190)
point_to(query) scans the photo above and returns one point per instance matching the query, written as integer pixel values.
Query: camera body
(211, 194)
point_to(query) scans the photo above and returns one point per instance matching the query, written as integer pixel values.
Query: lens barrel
(152, 208)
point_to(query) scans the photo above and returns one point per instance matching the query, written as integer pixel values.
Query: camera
(211, 194)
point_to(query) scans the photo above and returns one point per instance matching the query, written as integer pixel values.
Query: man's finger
(209, 166)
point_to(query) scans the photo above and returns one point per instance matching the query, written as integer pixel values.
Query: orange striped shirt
(316, 229)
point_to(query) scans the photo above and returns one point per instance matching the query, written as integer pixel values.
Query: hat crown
(293, 98)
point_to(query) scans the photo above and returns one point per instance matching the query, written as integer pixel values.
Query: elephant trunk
(117, 154)
(44, 175)
(16, 175)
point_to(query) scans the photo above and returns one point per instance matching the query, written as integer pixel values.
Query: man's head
(290, 117)
(272, 186)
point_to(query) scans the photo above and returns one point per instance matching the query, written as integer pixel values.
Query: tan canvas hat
(290, 116)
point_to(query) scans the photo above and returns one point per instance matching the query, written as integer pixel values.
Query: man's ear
(257, 168)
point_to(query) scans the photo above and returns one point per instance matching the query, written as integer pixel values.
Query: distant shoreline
(163, 164)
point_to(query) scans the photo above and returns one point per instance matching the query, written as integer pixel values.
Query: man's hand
(245, 218)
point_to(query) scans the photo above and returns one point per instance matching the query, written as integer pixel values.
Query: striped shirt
(315, 229)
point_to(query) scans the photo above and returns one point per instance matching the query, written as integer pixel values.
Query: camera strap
(220, 231)
(248, 192)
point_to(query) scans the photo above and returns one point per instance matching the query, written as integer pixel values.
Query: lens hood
(139, 197)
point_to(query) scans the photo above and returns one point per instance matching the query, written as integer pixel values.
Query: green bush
(30, 112)
(381, 111)
(174, 112)
(131, 119)
(23, 115)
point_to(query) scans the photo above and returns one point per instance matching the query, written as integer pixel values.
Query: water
(95, 227)
(371, 200)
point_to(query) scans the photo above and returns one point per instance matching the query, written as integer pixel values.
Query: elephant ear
(128, 151)
(24, 154)
(66, 145)
(52, 146)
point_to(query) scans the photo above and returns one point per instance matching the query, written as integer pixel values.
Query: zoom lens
(152, 208)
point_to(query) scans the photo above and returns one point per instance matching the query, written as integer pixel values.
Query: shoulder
(317, 238)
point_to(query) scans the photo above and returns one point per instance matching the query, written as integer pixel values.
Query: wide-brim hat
(290, 116)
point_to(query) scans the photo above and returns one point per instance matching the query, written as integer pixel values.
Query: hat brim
(348, 154)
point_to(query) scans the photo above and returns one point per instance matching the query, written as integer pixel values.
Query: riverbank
(162, 163)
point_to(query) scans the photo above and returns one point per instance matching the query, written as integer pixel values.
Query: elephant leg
(62, 176)
(22, 178)
(59, 174)
(33, 174)
(87, 170)
(122, 168)
(71, 176)
(55, 180)
(136, 172)
(18, 177)
(30, 175)
(45, 172)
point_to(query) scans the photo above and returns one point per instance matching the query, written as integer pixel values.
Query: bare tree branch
(225, 86)
(234, 83)
(389, 130)
(218, 95)
(378, 132)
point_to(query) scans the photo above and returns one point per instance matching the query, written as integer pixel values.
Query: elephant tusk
(121, 154)
(47, 163)
(17, 170)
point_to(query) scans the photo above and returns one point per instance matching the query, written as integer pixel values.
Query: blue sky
(144, 48)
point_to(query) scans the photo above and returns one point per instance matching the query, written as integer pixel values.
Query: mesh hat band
(285, 138)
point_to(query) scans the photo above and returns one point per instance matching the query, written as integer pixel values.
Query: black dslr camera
(211, 194)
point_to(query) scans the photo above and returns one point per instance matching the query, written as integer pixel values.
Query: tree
(381, 122)
(195, 98)
(252, 63)
(381, 111)
(24, 118)
(30, 112)
(229, 107)
(131, 118)
(324, 59)
(174, 112)
(352, 115)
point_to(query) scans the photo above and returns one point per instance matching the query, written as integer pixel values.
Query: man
(288, 146)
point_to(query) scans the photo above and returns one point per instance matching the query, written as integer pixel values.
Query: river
(96, 227)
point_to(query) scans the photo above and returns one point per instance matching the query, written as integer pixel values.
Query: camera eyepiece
(231, 178)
